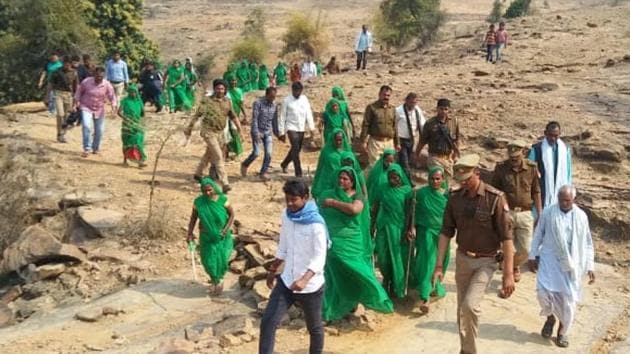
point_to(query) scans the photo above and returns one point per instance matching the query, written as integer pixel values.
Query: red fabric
(133, 154)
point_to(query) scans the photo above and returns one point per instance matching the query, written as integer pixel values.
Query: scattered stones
(89, 315)
(77, 199)
(94, 348)
(254, 254)
(198, 332)
(261, 290)
(175, 346)
(331, 331)
(238, 266)
(261, 306)
(547, 86)
(37, 245)
(112, 311)
(600, 153)
(12, 294)
(480, 73)
(6, 315)
(229, 340)
(102, 220)
(591, 25)
(609, 63)
(491, 142)
(233, 325)
(47, 271)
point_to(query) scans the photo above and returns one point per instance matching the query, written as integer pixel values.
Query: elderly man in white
(562, 253)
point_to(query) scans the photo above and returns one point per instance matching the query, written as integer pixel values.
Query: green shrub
(517, 8)
(255, 24)
(204, 67)
(401, 22)
(496, 12)
(305, 35)
(250, 48)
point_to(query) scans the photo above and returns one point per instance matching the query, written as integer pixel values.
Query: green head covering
(350, 170)
(329, 161)
(397, 169)
(133, 88)
(337, 92)
(330, 104)
(378, 174)
(435, 169)
(207, 181)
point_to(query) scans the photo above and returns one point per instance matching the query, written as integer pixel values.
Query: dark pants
(279, 302)
(489, 51)
(361, 59)
(404, 155)
(296, 139)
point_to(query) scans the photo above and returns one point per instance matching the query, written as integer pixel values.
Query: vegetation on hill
(398, 23)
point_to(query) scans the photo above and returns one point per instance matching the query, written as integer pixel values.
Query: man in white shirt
(409, 123)
(295, 116)
(309, 69)
(302, 249)
(363, 45)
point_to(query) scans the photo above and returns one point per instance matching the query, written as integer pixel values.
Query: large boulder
(81, 198)
(100, 219)
(38, 246)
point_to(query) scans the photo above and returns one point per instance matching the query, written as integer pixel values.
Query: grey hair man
(562, 254)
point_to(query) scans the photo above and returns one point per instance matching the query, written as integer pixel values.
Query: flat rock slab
(76, 199)
(102, 220)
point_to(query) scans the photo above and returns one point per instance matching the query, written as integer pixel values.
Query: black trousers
(404, 155)
(296, 139)
(361, 59)
(279, 302)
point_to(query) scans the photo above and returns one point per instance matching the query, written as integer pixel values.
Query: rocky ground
(94, 276)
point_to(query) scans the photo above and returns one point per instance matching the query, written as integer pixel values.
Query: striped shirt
(491, 38)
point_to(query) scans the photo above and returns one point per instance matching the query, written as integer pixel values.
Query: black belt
(480, 254)
(116, 82)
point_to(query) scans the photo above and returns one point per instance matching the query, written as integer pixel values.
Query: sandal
(85, 154)
(562, 341)
(547, 329)
(424, 307)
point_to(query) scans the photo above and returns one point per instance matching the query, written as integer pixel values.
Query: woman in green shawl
(378, 173)
(350, 278)
(215, 236)
(176, 87)
(333, 118)
(230, 72)
(131, 111)
(389, 220)
(430, 202)
(253, 76)
(280, 74)
(340, 96)
(242, 76)
(329, 162)
(191, 80)
(235, 95)
(263, 77)
(349, 159)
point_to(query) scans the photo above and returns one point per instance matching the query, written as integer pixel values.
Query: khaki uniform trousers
(442, 161)
(472, 277)
(63, 104)
(213, 155)
(523, 228)
(375, 149)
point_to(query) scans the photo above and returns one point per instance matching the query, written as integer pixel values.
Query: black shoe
(547, 329)
(562, 341)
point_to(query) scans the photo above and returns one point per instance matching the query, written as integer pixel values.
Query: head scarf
(337, 92)
(378, 175)
(433, 170)
(207, 181)
(431, 202)
(132, 108)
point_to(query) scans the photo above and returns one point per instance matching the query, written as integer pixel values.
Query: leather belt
(480, 255)
(520, 209)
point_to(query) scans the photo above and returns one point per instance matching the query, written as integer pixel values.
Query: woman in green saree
(389, 220)
(235, 94)
(176, 87)
(131, 111)
(329, 162)
(340, 96)
(215, 217)
(280, 74)
(191, 80)
(253, 76)
(243, 76)
(263, 77)
(430, 202)
(333, 118)
(378, 174)
(349, 159)
(350, 278)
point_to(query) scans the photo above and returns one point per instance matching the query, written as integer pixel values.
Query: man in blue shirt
(263, 117)
(117, 74)
(363, 45)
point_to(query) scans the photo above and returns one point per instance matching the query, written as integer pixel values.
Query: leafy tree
(400, 22)
(517, 8)
(119, 25)
(496, 12)
(253, 45)
(305, 35)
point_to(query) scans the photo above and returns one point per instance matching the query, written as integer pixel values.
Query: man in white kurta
(562, 253)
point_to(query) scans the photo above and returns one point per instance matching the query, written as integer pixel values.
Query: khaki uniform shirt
(379, 122)
(438, 142)
(214, 113)
(482, 222)
(520, 186)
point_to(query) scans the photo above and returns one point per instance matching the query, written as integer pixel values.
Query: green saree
(214, 249)
(329, 162)
(430, 205)
(334, 120)
(253, 77)
(391, 252)
(263, 77)
(349, 159)
(242, 76)
(280, 73)
(132, 109)
(177, 98)
(350, 278)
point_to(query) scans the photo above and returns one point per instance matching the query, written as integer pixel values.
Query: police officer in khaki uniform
(517, 177)
(479, 214)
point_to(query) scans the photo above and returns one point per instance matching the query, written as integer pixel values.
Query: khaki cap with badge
(465, 167)
(515, 147)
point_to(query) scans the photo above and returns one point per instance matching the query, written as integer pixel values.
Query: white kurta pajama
(564, 245)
